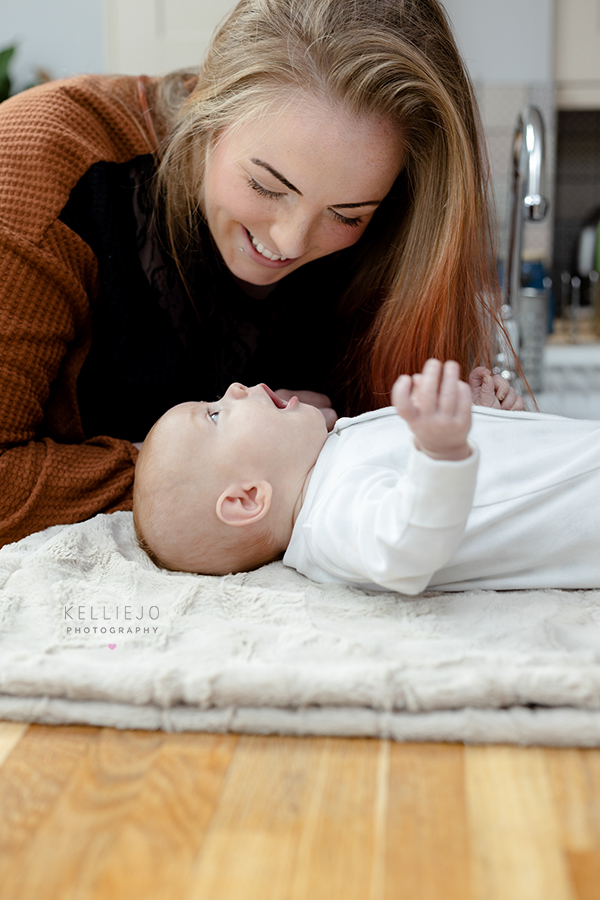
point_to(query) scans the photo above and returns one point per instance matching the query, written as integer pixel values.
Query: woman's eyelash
(353, 223)
(273, 195)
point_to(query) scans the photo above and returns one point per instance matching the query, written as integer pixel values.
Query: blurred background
(544, 53)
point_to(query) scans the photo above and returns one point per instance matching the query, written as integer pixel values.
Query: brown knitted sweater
(49, 137)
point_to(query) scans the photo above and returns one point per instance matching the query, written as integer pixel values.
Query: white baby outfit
(523, 511)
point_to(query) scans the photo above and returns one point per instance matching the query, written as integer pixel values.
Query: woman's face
(296, 185)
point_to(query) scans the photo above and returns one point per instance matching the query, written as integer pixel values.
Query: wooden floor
(105, 814)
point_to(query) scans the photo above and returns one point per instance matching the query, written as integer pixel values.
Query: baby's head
(218, 485)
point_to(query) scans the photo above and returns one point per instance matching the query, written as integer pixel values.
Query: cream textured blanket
(92, 632)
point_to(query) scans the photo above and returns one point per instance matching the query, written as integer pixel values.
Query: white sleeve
(373, 526)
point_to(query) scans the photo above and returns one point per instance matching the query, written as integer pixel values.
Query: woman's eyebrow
(276, 174)
(356, 205)
(288, 184)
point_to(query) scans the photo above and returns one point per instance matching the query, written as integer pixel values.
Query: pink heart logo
(111, 646)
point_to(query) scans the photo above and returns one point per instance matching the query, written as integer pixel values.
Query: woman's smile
(264, 252)
(261, 255)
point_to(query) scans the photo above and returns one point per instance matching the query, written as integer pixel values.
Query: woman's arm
(50, 137)
(49, 473)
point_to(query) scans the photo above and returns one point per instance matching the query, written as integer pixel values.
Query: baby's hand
(439, 415)
(493, 391)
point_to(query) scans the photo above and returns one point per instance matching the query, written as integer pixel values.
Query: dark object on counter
(587, 256)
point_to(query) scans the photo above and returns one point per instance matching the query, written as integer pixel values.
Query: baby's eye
(213, 414)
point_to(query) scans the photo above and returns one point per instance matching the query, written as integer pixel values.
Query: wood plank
(585, 871)
(382, 806)
(515, 835)
(10, 735)
(297, 820)
(592, 768)
(31, 782)
(577, 799)
(341, 849)
(427, 854)
(250, 850)
(127, 818)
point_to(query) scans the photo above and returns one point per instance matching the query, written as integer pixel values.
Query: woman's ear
(244, 503)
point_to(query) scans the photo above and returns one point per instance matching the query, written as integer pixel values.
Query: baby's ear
(243, 503)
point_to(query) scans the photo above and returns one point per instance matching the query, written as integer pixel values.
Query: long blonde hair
(423, 272)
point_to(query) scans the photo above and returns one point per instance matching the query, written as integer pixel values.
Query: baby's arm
(493, 391)
(437, 412)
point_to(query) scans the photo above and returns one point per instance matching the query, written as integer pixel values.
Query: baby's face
(249, 431)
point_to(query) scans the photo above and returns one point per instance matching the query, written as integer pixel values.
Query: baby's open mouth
(279, 403)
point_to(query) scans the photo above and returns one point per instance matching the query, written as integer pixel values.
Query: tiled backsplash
(571, 381)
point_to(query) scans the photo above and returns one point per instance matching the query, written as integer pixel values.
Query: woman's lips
(257, 257)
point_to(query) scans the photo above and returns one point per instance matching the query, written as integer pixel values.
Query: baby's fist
(493, 391)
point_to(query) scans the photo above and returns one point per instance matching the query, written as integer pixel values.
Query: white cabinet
(153, 37)
(577, 54)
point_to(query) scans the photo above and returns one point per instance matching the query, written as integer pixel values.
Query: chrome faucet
(526, 203)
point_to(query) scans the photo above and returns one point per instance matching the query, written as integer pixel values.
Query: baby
(396, 499)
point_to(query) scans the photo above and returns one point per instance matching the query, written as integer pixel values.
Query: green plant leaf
(5, 84)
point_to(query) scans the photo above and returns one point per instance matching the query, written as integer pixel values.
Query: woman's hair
(424, 270)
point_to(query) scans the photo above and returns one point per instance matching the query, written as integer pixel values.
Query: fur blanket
(92, 632)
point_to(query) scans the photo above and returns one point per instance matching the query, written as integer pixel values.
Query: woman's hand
(312, 398)
(493, 391)
(437, 412)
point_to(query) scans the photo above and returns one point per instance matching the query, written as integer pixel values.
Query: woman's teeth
(263, 250)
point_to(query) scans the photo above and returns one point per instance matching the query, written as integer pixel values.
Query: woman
(309, 209)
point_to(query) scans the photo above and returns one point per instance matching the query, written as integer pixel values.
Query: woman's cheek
(342, 236)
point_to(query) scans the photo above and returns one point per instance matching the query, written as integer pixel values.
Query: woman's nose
(291, 235)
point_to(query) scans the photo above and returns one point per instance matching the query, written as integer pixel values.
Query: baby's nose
(237, 390)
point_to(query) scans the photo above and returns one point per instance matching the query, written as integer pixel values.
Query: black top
(153, 346)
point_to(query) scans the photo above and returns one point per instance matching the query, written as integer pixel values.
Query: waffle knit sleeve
(49, 472)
